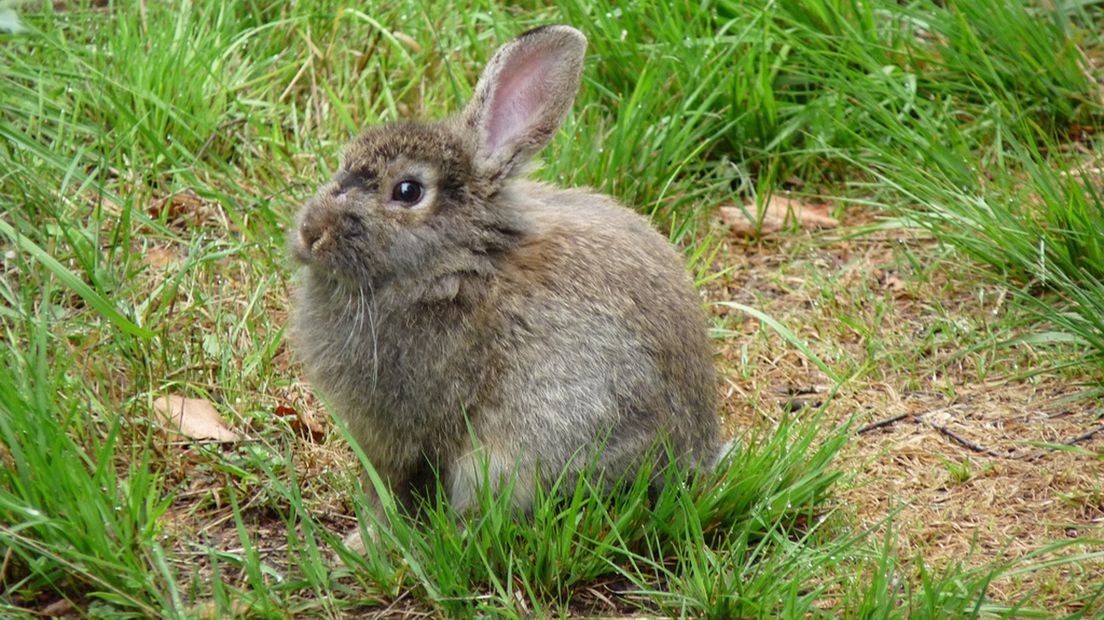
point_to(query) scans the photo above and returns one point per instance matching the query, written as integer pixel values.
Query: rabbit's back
(599, 343)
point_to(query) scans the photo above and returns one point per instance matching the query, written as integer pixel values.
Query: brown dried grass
(956, 449)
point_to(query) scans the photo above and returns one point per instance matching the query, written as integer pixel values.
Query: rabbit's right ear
(523, 96)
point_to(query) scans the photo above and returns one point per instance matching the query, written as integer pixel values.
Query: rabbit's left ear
(523, 96)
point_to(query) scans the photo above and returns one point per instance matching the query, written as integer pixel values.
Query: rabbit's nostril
(312, 236)
(309, 234)
(321, 228)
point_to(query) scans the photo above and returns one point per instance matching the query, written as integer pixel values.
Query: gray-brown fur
(543, 322)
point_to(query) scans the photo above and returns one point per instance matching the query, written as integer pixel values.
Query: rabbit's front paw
(355, 541)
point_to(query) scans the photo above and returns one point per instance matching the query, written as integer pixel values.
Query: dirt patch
(966, 453)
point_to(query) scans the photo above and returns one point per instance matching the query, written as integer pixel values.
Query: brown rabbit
(471, 325)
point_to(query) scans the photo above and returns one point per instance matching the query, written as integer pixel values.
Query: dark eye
(408, 192)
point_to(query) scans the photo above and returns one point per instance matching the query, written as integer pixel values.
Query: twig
(602, 597)
(216, 133)
(391, 606)
(1084, 436)
(797, 404)
(4, 564)
(882, 423)
(801, 390)
(295, 79)
(962, 441)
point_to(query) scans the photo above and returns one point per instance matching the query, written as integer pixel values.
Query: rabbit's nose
(313, 235)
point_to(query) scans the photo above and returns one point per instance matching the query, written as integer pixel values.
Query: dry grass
(965, 456)
(960, 457)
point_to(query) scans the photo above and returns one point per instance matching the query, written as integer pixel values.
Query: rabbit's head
(419, 203)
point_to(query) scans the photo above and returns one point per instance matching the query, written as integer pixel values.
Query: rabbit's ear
(524, 95)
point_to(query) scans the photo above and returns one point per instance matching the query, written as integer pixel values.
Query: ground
(964, 459)
(968, 464)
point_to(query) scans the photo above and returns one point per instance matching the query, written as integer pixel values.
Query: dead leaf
(160, 257)
(194, 418)
(186, 209)
(177, 205)
(211, 609)
(895, 284)
(780, 212)
(64, 5)
(303, 423)
(58, 609)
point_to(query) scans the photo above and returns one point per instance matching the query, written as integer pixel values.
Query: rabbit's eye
(407, 192)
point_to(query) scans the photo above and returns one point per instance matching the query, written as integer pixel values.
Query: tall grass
(74, 516)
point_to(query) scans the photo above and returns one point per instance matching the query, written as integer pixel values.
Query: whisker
(373, 317)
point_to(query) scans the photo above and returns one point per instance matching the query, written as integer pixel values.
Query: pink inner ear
(522, 91)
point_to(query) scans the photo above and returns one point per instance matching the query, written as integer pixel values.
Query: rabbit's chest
(421, 369)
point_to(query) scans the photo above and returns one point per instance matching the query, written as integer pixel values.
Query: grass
(151, 157)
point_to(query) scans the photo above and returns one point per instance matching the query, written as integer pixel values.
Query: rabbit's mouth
(336, 244)
(344, 277)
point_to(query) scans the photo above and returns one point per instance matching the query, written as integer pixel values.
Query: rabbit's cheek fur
(410, 248)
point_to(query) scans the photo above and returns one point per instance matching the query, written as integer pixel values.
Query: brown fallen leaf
(180, 204)
(194, 418)
(895, 284)
(59, 609)
(63, 5)
(160, 257)
(211, 609)
(779, 213)
(302, 422)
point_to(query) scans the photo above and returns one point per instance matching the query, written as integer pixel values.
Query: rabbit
(471, 326)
